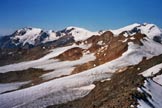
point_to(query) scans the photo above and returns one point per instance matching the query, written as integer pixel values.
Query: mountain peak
(29, 28)
(72, 27)
(27, 31)
(151, 30)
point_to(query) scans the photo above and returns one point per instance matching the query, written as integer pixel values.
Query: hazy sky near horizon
(90, 14)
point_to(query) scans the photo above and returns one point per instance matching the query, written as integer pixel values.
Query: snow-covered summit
(126, 28)
(26, 29)
(26, 35)
(79, 34)
(150, 30)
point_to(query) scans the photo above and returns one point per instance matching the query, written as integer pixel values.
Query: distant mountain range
(31, 37)
(77, 68)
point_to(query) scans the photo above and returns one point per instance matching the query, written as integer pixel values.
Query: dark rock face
(158, 39)
(135, 30)
(64, 31)
(60, 42)
(71, 54)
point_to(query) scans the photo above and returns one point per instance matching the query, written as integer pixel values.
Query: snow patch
(152, 71)
(100, 43)
(132, 38)
(125, 34)
(11, 86)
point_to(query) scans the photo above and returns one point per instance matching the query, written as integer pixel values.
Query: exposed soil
(9, 56)
(20, 76)
(71, 54)
(32, 75)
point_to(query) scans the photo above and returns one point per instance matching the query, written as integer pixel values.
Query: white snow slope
(152, 87)
(150, 30)
(154, 90)
(80, 33)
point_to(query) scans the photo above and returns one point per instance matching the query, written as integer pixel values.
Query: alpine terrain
(77, 68)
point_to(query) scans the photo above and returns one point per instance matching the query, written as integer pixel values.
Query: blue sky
(90, 14)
